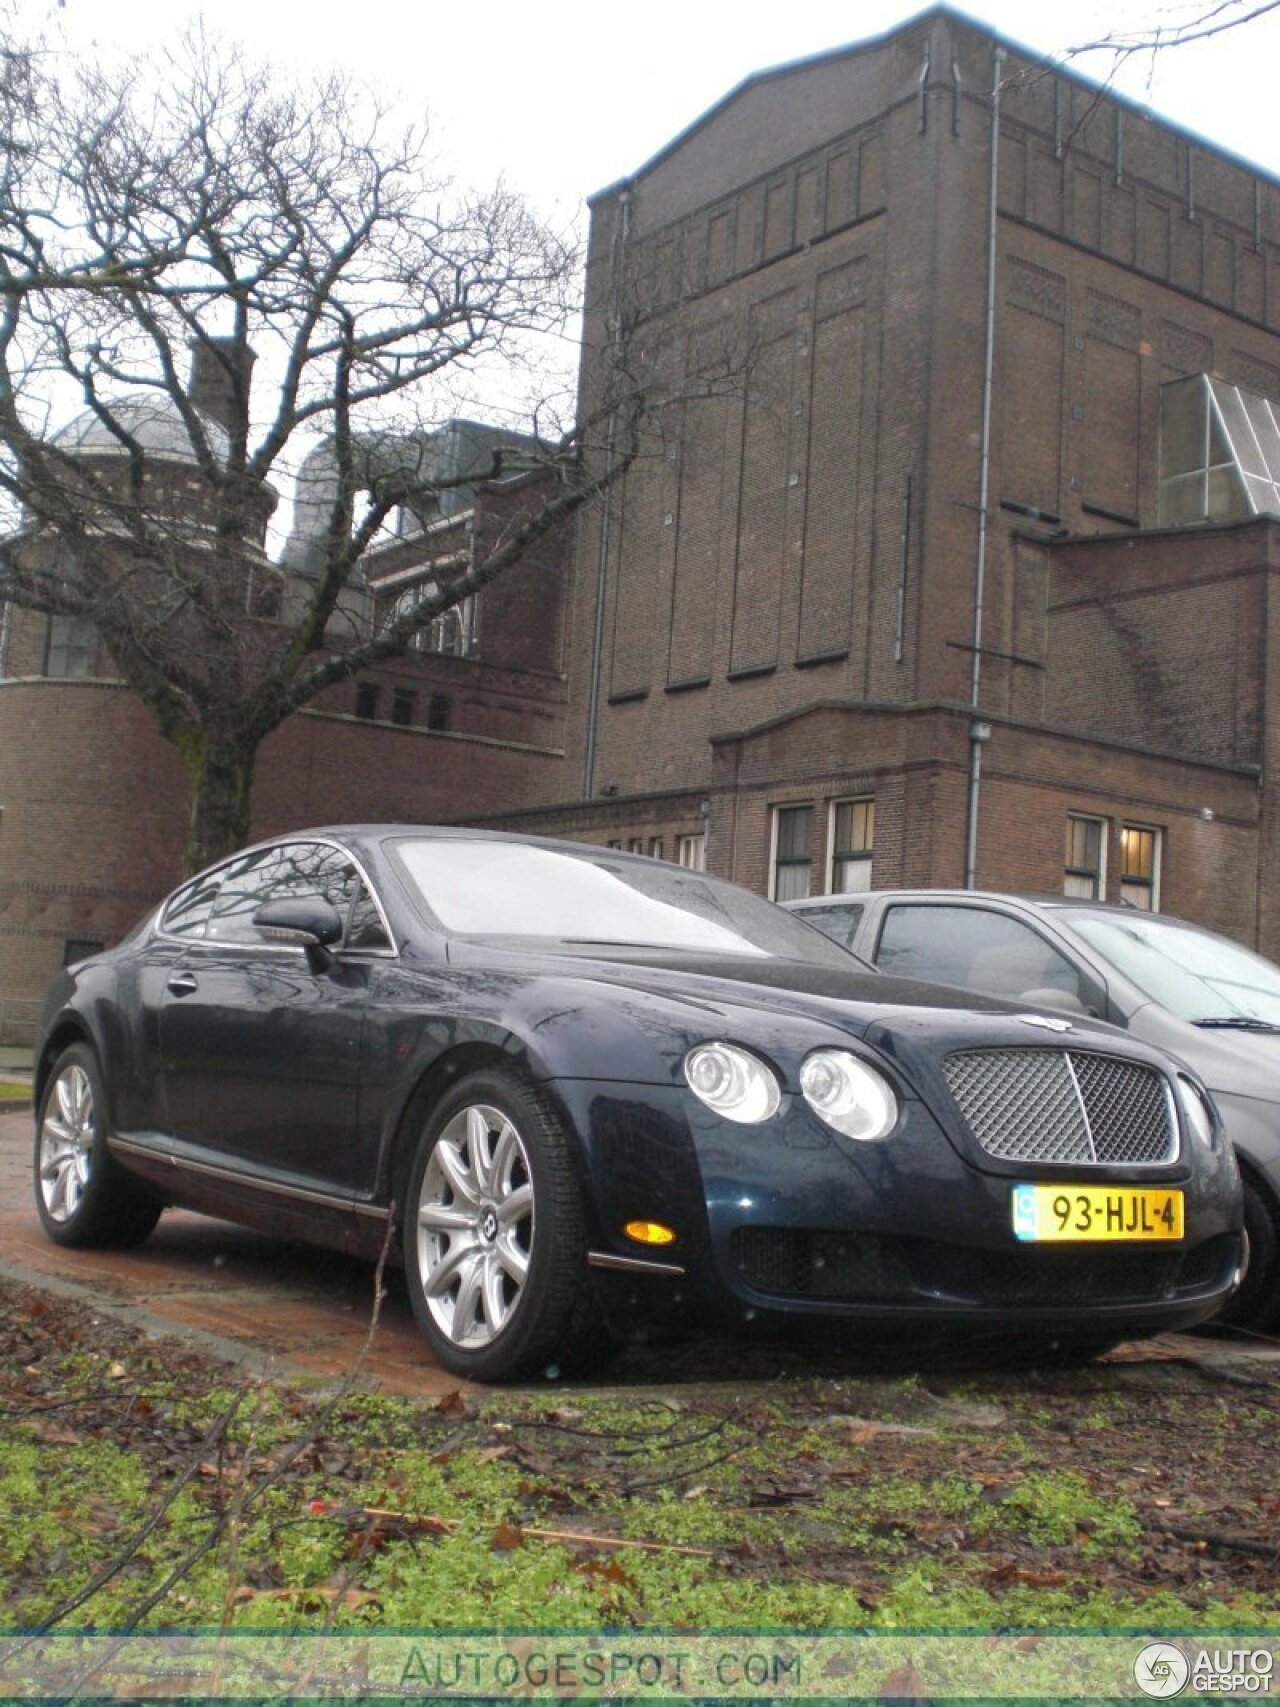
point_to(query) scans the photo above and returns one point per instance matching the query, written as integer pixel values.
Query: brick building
(970, 572)
(94, 804)
(975, 574)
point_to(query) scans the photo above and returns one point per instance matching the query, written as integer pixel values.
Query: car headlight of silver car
(849, 1094)
(1196, 1108)
(733, 1082)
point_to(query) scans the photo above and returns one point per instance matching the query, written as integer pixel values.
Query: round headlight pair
(841, 1089)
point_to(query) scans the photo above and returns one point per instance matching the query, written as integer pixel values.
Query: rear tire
(84, 1197)
(495, 1238)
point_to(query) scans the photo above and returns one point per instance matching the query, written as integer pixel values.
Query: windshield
(593, 900)
(1193, 973)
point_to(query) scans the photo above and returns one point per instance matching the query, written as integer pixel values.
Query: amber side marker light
(649, 1233)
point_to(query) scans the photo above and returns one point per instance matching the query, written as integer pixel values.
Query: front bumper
(786, 1221)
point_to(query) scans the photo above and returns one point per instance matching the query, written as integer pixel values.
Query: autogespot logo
(1161, 1669)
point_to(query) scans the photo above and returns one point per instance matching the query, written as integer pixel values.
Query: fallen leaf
(506, 1538)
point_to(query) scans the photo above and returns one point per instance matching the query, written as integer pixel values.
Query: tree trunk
(221, 770)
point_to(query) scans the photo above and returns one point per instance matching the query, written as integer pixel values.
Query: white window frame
(691, 851)
(1157, 862)
(864, 860)
(1100, 885)
(775, 817)
(451, 634)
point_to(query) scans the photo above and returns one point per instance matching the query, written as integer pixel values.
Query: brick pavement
(238, 1293)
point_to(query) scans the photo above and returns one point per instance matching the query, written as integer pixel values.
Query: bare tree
(206, 209)
(1196, 24)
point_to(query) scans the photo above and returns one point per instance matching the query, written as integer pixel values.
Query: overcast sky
(561, 99)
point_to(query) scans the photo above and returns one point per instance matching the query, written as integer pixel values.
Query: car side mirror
(308, 922)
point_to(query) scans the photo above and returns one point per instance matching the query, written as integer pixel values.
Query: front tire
(1256, 1304)
(84, 1197)
(495, 1238)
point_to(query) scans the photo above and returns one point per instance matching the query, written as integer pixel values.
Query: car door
(983, 948)
(260, 1051)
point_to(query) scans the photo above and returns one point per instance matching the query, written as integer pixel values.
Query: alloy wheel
(474, 1226)
(66, 1143)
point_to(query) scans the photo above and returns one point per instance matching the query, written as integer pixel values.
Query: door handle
(182, 984)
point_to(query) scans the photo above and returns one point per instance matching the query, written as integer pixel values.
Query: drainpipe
(620, 234)
(980, 732)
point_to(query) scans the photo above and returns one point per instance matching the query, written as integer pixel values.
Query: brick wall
(94, 808)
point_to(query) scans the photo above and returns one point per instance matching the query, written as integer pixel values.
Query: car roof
(1006, 897)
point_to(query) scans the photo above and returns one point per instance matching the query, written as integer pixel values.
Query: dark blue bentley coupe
(578, 1092)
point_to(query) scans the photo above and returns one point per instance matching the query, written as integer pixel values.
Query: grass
(1038, 1501)
(14, 1090)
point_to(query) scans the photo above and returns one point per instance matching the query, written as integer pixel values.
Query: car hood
(1231, 1063)
(863, 1003)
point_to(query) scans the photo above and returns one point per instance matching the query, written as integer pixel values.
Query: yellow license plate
(1086, 1212)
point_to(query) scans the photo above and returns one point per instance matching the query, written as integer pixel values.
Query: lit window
(1084, 872)
(792, 852)
(853, 834)
(691, 851)
(1140, 867)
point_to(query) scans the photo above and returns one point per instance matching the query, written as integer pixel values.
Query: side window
(364, 927)
(975, 947)
(839, 923)
(295, 871)
(187, 914)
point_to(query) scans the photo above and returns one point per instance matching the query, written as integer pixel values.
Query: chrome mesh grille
(1062, 1106)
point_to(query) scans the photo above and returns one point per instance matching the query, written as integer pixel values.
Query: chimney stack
(213, 384)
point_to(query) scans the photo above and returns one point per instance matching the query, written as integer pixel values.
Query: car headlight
(1196, 1108)
(848, 1094)
(733, 1082)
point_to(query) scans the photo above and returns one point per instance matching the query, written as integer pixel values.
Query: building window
(1140, 867)
(367, 699)
(404, 703)
(439, 712)
(1084, 873)
(853, 834)
(691, 852)
(1219, 452)
(452, 633)
(72, 649)
(655, 847)
(792, 852)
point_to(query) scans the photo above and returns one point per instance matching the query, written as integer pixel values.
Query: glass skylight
(1219, 453)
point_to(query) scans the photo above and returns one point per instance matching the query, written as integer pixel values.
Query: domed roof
(154, 422)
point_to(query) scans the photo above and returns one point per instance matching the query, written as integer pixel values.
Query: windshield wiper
(1236, 1022)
